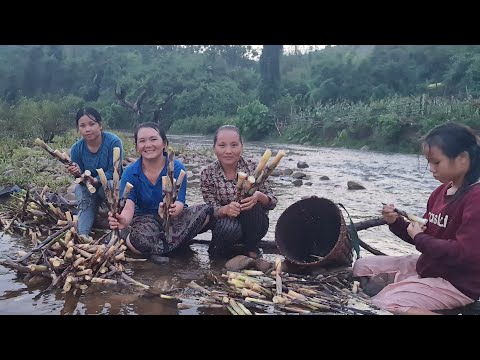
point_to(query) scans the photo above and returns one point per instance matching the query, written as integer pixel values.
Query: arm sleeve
(76, 158)
(208, 190)
(399, 228)
(267, 190)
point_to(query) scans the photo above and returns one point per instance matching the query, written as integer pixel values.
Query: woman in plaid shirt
(236, 224)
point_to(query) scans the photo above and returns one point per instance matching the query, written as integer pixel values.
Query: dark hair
(227, 127)
(453, 139)
(151, 125)
(90, 112)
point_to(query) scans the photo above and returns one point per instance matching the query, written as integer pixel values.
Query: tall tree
(269, 89)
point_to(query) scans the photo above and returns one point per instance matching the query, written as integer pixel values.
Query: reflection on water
(391, 178)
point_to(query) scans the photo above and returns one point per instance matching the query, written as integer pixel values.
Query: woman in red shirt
(447, 273)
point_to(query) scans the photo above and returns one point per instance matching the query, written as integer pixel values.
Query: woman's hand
(389, 214)
(93, 181)
(74, 169)
(414, 228)
(232, 210)
(249, 202)
(119, 222)
(175, 209)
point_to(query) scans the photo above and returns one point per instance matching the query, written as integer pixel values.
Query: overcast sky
(301, 48)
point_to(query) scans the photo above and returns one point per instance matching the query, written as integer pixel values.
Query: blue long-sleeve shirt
(147, 196)
(103, 158)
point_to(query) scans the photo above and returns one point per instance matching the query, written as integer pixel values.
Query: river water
(403, 180)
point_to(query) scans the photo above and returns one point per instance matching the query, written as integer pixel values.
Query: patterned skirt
(147, 232)
(231, 236)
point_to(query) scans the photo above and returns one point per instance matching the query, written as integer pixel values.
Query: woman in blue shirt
(146, 233)
(93, 151)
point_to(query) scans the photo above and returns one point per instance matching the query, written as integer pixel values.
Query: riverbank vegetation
(384, 97)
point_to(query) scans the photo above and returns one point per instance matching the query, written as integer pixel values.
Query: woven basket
(314, 226)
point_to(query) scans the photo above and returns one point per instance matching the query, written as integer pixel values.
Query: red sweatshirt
(450, 245)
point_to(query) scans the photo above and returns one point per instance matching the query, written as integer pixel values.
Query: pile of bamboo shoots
(68, 259)
(30, 213)
(254, 292)
(247, 185)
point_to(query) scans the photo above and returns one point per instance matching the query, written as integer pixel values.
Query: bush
(254, 122)
(388, 126)
(30, 118)
(116, 116)
(200, 125)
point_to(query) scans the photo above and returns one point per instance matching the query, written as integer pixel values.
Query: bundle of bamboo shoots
(252, 291)
(248, 185)
(114, 203)
(170, 188)
(65, 159)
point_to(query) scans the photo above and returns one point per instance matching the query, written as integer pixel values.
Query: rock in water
(263, 265)
(297, 182)
(239, 262)
(353, 185)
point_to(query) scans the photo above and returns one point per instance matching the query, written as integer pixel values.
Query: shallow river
(392, 178)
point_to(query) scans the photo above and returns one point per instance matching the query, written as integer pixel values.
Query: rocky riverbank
(33, 167)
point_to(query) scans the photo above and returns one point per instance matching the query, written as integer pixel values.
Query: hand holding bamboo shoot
(65, 159)
(409, 216)
(241, 176)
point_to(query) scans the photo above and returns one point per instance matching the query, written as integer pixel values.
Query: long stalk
(168, 190)
(266, 172)
(64, 159)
